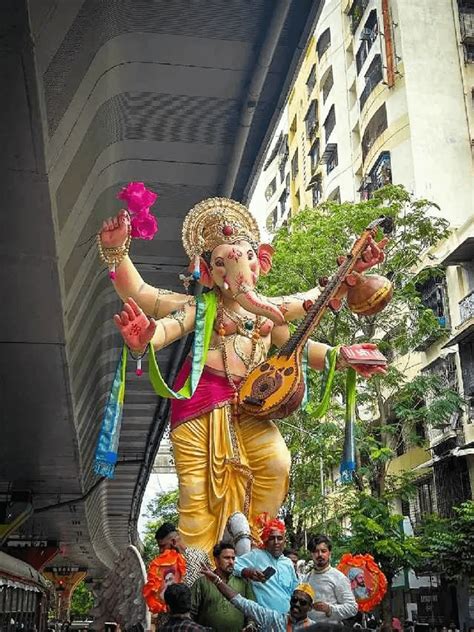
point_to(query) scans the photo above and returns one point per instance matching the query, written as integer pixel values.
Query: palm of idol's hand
(115, 230)
(136, 328)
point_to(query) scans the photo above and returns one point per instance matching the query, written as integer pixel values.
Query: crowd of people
(263, 589)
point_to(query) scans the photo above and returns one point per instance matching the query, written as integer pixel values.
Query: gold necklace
(245, 324)
(255, 336)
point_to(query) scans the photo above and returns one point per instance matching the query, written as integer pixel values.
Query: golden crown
(217, 221)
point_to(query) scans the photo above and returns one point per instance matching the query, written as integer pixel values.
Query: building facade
(270, 201)
(385, 94)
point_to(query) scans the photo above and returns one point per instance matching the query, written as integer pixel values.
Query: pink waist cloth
(213, 390)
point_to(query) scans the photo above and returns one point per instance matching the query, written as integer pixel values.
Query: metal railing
(466, 307)
(375, 77)
(356, 13)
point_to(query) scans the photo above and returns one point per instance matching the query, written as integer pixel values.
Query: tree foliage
(391, 408)
(163, 508)
(82, 601)
(449, 543)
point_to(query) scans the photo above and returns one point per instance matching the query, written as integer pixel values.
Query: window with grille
(368, 36)
(311, 119)
(356, 13)
(270, 190)
(329, 123)
(311, 80)
(373, 77)
(375, 127)
(294, 165)
(314, 155)
(324, 42)
(328, 83)
(332, 162)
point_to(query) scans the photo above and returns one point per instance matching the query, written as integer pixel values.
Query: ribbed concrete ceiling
(175, 93)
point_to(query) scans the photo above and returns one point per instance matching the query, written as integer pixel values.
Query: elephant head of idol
(222, 239)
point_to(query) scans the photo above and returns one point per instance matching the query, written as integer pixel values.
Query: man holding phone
(209, 607)
(296, 617)
(272, 574)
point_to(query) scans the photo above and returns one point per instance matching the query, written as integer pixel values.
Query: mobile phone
(268, 572)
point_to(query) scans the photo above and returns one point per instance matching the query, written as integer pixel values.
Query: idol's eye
(250, 255)
(219, 262)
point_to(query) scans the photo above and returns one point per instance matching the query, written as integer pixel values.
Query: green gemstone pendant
(249, 325)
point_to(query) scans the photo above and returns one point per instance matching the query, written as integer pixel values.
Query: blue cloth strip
(107, 444)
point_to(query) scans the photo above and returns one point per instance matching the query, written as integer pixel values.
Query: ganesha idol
(226, 460)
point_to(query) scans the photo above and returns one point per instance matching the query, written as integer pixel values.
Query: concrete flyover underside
(181, 94)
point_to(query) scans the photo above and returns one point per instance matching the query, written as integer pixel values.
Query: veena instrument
(275, 388)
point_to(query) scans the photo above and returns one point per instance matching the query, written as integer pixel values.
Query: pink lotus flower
(137, 196)
(139, 199)
(144, 225)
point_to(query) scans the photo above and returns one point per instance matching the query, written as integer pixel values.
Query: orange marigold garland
(368, 583)
(166, 569)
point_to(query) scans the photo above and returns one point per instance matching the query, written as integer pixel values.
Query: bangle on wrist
(341, 362)
(114, 256)
(217, 580)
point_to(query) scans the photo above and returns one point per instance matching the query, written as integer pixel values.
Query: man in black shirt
(178, 599)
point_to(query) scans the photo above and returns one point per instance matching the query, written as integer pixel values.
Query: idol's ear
(205, 278)
(265, 254)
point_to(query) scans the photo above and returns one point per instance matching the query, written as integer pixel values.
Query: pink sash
(212, 391)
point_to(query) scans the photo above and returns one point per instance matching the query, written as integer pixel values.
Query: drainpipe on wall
(388, 38)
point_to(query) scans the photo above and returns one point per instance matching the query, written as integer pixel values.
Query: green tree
(163, 508)
(449, 543)
(82, 601)
(390, 407)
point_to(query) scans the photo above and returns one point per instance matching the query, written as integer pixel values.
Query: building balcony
(466, 23)
(356, 13)
(466, 307)
(373, 77)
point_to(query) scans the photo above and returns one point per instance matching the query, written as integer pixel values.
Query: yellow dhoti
(225, 466)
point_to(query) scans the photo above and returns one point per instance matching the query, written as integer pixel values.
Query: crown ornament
(217, 221)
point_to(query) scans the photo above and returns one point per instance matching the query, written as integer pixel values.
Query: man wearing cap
(271, 591)
(296, 618)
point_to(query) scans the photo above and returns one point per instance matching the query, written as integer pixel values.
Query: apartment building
(270, 201)
(385, 94)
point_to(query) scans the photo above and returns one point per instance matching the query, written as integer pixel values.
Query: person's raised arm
(263, 617)
(155, 302)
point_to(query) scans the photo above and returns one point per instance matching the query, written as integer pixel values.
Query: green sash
(206, 310)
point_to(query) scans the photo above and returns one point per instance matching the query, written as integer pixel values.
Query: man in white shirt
(334, 600)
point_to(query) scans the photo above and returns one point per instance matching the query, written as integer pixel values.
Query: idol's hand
(136, 328)
(115, 230)
(365, 370)
(372, 255)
